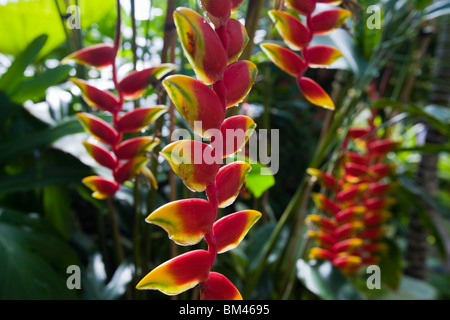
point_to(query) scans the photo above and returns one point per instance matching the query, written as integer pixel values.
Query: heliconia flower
(285, 59)
(231, 229)
(294, 33)
(237, 39)
(139, 118)
(380, 147)
(135, 147)
(193, 161)
(347, 262)
(373, 204)
(326, 180)
(94, 97)
(323, 239)
(178, 274)
(196, 102)
(218, 287)
(102, 188)
(348, 229)
(356, 170)
(350, 193)
(325, 204)
(374, 247)
(99, 128)
(235, 4)
(201, 44)
(320, 56)
(380, 170)
(145, 171)
(357, 132)
(133, 85)
(376, 217)
(305, 7)
(333, 2)
(349, 214)
(314, 93)
(217, 11)
(321, 254)
(186, 221)
(98, 55)
(324, 223)
(357, 158)
(379, 188)
(229, 181)
(127, 170)
(235, 132)
(347, 244)
(373, 233)
(100, 154)
(326, 21)
(238, 79)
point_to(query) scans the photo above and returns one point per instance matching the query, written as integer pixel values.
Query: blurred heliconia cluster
(297, 34)
(212, 48)
(355, 203)
(124, 157)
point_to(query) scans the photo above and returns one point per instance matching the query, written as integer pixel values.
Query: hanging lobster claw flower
(99, 128)
(133, 85)
(325, 204)
(218, 287)
(348, 229)
(135, 147)
(348, 245)
(127, 170)
(349, 214)
(350, 193)
(293, 32)
(99, 56)
(235, 4)
(94, 97)
(314, 93)
(323, 239)
(321, 254)
(347, 262)
(139, 118)
(229, 181)
(102, 188)
(201, 44)
(186, 221)
(325, 179)
(326, 21)
(102, 155)
(380, 147)
(323, 223)
(237, 39)
(231, 229)
(196, 102)
(357, 158)
(194, 162)
(357, 132)
(217, 11)
(304, 7)
(321, 56)
(235, 132)
(178, 274)
(285, 59)
(239, 78)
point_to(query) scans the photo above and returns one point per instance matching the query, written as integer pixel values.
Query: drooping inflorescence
(125, 158)
(221, 82)
(350, 233)
(297, 34)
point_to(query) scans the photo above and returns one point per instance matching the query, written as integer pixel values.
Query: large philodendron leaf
(178, 274)
(186, 221)
(201, 44)
(194, 162)
(197, 103)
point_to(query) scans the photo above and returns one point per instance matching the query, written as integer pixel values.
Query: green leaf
(12, 78)
(259, 179)
(326, 281)
(411, 289)
(391, 265)
(56, 202)
(436, 10)
(36, 87)
(27, 270)
(30, 142)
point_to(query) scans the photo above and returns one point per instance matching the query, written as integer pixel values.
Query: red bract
(126, 158)
(298, 37)
(351, 233)
(222, 82)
